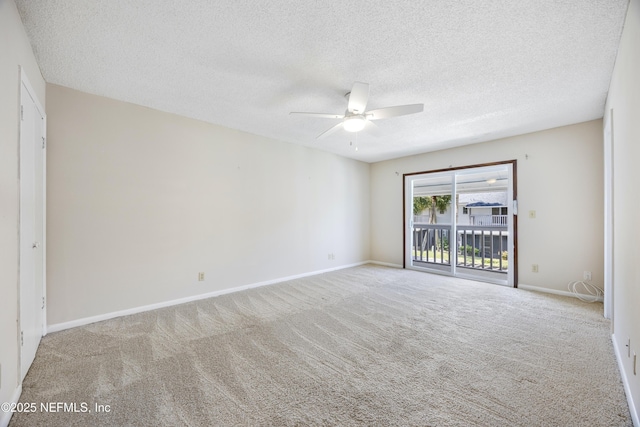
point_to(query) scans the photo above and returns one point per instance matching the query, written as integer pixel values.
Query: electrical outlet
(586, 275)
(534, 268)
(201, 276)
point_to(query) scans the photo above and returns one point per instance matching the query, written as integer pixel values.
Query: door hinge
(515, 207)
(43, 142)
(21, 338)
(43, 303)
(21, 112)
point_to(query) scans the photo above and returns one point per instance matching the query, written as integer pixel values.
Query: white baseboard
(553, 291)
(88, 320)
(5, 417)
(625, 382)
(386, 264)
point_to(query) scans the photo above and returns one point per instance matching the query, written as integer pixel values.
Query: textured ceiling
(483, 69)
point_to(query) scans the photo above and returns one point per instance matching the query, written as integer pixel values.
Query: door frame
(514, 185)
(24, 81)
(609, 259)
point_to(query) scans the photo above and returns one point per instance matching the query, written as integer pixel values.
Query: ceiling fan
(356, 118)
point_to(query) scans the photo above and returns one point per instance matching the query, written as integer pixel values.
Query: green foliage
(442, 202)
(445, 243)
(470, 250)
(422, 203)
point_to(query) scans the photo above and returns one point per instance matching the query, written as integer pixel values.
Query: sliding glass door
(461, 222)
(432, 222)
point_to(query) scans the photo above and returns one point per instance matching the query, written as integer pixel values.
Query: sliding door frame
(514, 181)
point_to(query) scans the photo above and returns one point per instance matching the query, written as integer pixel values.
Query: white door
(32, 229)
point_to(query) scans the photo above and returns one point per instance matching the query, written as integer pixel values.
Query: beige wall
(15, 51)
(140, 201)
(561, 180)
(624, 99)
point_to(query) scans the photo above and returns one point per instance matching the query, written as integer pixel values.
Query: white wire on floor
(585, 291)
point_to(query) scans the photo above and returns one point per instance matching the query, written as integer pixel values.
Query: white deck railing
(489, 220)
(480, 220)
(475, 246)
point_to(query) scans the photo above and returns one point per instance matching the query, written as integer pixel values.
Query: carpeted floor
(368, 346)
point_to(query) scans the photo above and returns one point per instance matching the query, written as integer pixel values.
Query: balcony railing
(431, 243)
(485, 248)
(481, 220)
(489, 220)
(477, 247)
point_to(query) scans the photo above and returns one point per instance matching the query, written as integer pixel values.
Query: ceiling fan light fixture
(354, 123)
(356, 117)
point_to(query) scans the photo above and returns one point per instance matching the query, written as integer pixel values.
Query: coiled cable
(585, 291)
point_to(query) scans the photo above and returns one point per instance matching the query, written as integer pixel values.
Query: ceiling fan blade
(371, 128)
(329, 131)
(322, 115)
(358, 98)
(388, 112)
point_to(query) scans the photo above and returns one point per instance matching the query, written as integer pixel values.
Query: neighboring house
(485, 209)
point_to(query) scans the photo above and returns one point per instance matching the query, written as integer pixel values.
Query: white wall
(624, 99)
(14, 51)
(139, 201)
(561, 180)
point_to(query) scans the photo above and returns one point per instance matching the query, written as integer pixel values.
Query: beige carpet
(368, 346)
